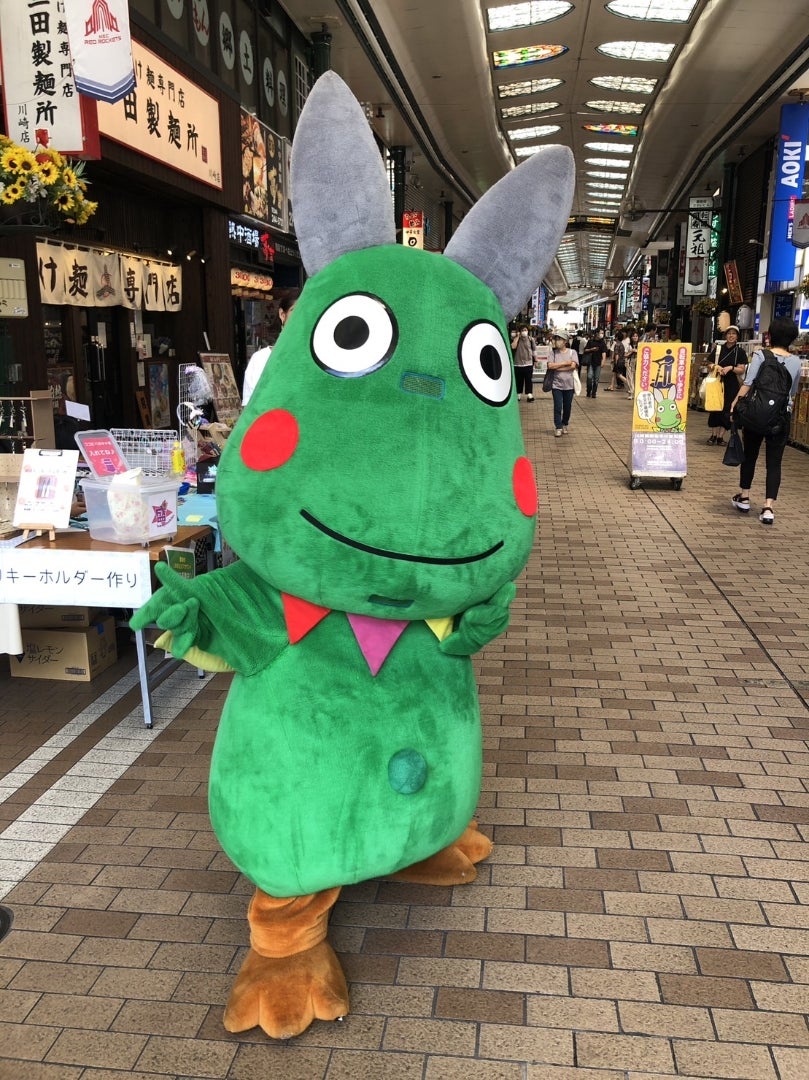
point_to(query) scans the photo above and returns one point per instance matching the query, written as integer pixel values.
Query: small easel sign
(45, 492)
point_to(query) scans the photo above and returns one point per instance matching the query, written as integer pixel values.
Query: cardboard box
(69, 655)
(37, 615)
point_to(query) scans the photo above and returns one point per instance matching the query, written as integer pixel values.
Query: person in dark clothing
(732, 364)
(595, 353)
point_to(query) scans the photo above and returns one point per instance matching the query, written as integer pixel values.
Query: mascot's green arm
(479, 625)
(218, 614)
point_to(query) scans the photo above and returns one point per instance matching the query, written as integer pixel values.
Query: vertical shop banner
(697, 246)
(105, 279)
(42, 105)
(662, 268)
(787, 191)
(154, 298)
(659, 410)
(98, 31)
(413, 228)
(264, 172)
(51, 270)
(131, 282)
(734, 284)
(168, 118)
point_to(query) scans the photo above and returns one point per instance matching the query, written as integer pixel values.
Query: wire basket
(149, 450)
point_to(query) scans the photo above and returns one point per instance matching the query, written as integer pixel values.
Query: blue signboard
(804, 323)
(792, 142)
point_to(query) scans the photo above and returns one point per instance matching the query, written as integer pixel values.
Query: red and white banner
(800, 224)
(39, 93)
(101, 47)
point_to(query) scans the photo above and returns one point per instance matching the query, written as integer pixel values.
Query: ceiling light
(627, 84)
(513, 112)
(607, 210)
(612, 163)
(514, 15)
(605, 187)
(527, 151)
(635, 107)
(609, 148)
(529, 86)
(653, 10)
(531, 54)
(655, 51)
(536, 132)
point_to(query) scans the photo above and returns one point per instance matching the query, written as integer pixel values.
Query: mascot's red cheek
(270, 441)
(525, 486)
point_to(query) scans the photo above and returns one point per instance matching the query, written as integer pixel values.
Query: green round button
(407, 772)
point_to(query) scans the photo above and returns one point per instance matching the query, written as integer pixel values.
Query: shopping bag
(547, 382)
(714, 393)
(576, 382)
(734, 453)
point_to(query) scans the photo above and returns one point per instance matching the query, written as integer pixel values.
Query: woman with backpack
(771, 384)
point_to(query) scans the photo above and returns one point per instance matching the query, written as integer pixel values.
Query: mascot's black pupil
(351, 332)
(490, 362)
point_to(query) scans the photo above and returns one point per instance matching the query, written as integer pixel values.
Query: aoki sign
(792, 144)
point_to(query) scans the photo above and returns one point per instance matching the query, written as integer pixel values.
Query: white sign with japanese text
(91, 578)
(697, 246)
(101, 47)
(167, 117)
(39, 92)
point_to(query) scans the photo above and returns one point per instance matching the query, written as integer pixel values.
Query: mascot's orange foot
(454, 865)
(283, 995)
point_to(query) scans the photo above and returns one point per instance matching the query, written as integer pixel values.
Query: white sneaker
(558, 433)
(564, 431)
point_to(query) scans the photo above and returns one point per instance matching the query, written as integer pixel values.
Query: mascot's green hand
(181, 616)
(481, 624)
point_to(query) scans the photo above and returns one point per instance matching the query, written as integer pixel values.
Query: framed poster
(159, 395)
(226, 397)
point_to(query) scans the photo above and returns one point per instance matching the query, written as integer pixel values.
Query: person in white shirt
(258, 361)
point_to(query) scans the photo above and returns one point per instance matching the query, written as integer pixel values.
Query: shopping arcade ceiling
(426, 70)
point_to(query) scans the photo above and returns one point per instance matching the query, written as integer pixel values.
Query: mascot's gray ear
(510, 236)
(340, 193)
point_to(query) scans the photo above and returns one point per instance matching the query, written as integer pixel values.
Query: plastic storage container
(122, 514)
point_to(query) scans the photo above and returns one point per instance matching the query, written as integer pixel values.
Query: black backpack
(764, 409)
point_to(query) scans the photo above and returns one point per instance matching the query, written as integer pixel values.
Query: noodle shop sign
(167, 117)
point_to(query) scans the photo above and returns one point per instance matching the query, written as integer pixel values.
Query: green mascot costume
(378, 496)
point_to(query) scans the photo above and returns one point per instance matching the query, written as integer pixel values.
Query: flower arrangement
(34, 180)
(706, 306)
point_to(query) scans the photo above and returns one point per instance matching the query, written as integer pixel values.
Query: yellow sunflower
(11, 157)
(27, 163)
(47, 172)
(63, 202)
(69, 178)
(11, 193)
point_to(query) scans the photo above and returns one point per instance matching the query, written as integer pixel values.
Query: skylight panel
(627, 84)
(531, 54)
(528, 86)
(512, 16)
(605, 175)
(655, 51)
(513, 112)
(539, 131)
(613, 129)
(633, 107)
(653, 10)
(601, 186)
(611, 163)
(609, 148)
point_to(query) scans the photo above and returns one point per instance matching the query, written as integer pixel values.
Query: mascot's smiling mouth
(398, 554)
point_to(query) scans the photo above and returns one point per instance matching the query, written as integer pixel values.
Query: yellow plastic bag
(714, 393)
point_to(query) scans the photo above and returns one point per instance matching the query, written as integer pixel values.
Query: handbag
(547, 382)
(576, 382)
(714, 393)
(734, 453)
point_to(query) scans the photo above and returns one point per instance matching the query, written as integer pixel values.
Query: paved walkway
(645, 913)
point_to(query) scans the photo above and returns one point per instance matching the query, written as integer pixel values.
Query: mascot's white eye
(355, 336)
(485, 363)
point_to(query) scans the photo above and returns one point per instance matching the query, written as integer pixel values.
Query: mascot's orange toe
(454, 865)
(283, 995)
